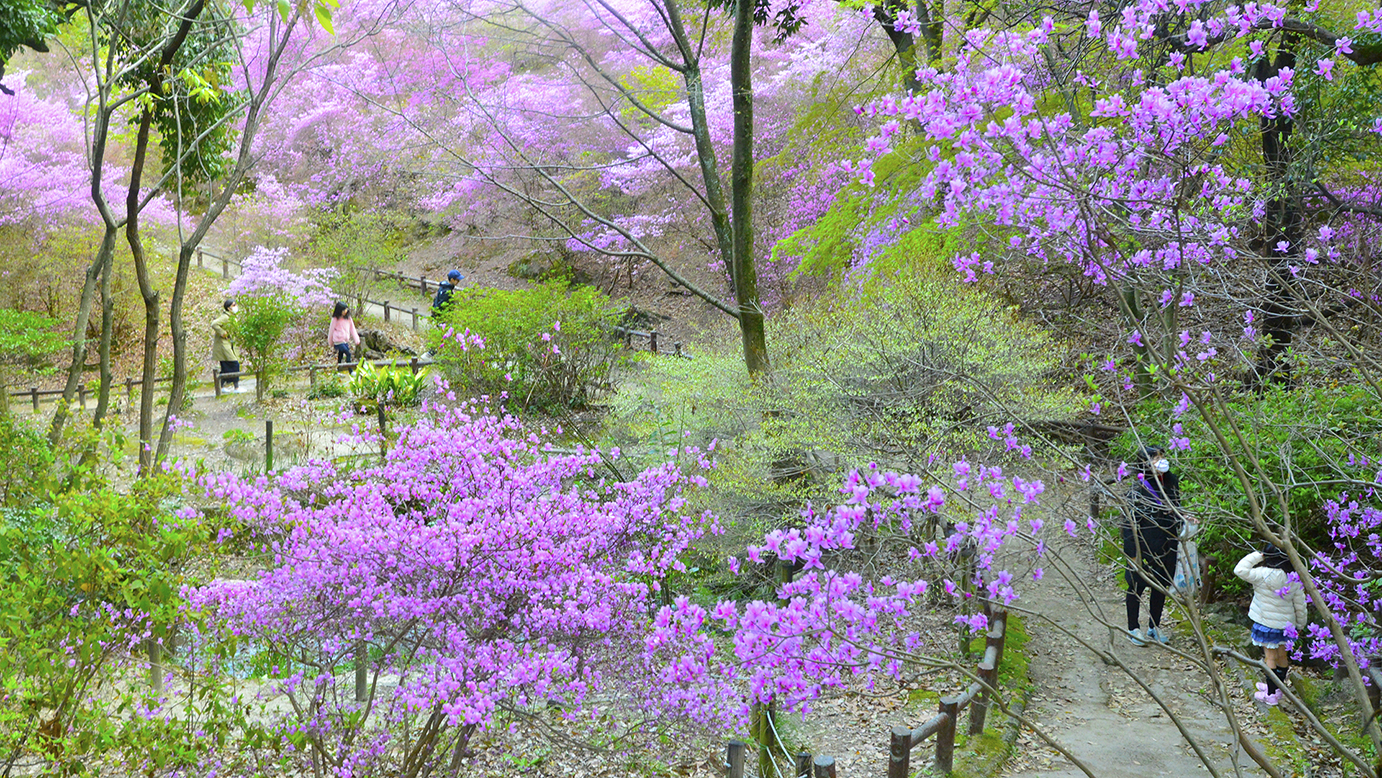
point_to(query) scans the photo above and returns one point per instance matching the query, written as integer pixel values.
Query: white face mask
(1161, 466)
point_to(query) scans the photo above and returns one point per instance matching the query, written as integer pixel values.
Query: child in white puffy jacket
(1271, 611)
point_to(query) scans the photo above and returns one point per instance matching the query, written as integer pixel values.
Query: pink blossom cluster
(263, 272)
(1344, 574)
(482, 571)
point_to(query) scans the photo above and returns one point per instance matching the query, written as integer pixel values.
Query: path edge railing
(902, 740)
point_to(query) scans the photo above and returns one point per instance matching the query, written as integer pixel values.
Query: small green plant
(326, 389)
(237, 435)
(391, 387)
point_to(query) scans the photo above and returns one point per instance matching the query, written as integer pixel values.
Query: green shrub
(328, 388)
(237, 435)
(259, 329)
(1303, 444)
(892, 374)
(391, 387)
(546, 347)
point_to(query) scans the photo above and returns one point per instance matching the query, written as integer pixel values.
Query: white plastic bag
(1187, 581)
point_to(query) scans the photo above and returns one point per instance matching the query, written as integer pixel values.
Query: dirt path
(1097, 711)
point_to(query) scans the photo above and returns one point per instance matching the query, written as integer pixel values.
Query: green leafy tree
(27, 23)
(259, 329)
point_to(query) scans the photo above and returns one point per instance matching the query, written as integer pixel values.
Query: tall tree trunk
(107, 332)
(1282, 226)
(79, 348)
(146, 291)
(745, 276)
(179, 387)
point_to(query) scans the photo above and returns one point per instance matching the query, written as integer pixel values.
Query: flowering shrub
(546, 347)
(479, 574)
(263, 272)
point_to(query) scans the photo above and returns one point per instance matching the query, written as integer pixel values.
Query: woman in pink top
(342, 334)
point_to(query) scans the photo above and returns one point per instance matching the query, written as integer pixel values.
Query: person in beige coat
(1277, 601)
(222, 349)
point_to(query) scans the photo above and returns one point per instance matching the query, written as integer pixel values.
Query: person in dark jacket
(1151, 541)
(445, 290)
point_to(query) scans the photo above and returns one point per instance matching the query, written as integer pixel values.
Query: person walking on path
(222, 350)
(1150, 542)
(445, 290)
(1277, 602)
(341, 334)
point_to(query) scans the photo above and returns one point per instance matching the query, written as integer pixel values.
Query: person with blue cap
(445, 290)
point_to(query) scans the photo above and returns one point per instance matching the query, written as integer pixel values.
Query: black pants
(230, 367)
(1156, 550)
(342, 352)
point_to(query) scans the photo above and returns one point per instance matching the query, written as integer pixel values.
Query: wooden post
(359, 305)
(312, 375)
(979, 708)
(652, 341)
(803, 766)
(676, 348)
(155, 666)
(383, 433)
(414, 318)
(268, 445)
(225, 268)
(81, 395)
(199, 260)
(736, 757)
(413, 362)
(899, 752)
(361, 671)
(386, 310)
(628, 338)
(129, 389)
(945, 736)
(825, 767)
(423, 279)
(215, 381)
(33, 394)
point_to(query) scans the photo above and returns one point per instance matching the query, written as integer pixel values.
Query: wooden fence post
(413, 364)
(155, 666)
(825, 767)
(899, 752)
(215, 381)
(199, 260)
(676, 348)
(81, 395)
(312, 375)
(129, 390)
(361, 671)
(945, 736)
(736, 758)
(386, 310)
(423, 279)
(225, 268)
(415, 319)
(268, 445)
(33, 394)
(652, 341)
(803, 765)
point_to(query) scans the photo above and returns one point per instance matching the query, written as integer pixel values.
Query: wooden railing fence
(804, 765)
(942, 725)
(414, 364)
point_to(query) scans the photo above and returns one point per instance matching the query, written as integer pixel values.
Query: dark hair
(1151, 451)
(225, 306)
(341, 310)
(1275, 557)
